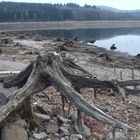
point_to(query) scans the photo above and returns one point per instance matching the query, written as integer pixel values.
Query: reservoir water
(125, 39)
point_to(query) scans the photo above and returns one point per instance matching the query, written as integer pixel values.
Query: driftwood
(8, 72)
(67, 78)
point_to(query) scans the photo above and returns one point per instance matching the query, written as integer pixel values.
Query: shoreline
(29, 45)
(26, 26)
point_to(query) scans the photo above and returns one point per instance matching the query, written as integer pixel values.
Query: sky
(119, 4)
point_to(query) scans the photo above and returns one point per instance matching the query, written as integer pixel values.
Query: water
(124, 43)
(125, 39)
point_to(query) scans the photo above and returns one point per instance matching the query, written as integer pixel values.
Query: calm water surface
(126, 39)
(124, 43)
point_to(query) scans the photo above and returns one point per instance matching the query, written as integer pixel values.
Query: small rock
(42, 116)
(76, 137)
(52, 127)
(40, 136)
(21, 122)
(14, 131)
(118, 136)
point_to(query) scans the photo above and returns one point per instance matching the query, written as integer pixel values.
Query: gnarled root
(54, 70)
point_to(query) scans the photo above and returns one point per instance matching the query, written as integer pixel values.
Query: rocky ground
(17, 50)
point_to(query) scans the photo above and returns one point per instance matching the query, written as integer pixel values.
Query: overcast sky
(120, 4)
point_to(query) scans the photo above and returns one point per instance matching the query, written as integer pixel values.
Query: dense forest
(13, 11)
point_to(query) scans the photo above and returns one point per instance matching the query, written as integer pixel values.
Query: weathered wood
(18, 97)
(21, 78)
(9, 72)
(65, 77)
(66, 90)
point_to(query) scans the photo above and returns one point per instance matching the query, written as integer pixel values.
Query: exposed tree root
(66, 77)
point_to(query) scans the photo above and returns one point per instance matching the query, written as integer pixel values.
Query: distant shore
(25, 26)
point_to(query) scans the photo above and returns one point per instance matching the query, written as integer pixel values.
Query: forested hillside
(13, 11)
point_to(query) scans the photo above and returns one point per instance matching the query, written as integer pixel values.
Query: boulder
(14, 131)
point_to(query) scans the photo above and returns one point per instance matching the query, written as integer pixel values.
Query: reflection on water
(126, 39)
(124, 43)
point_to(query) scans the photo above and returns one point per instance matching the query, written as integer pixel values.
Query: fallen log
(65, 77)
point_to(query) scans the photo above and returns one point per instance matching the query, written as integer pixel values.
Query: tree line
(14, 11)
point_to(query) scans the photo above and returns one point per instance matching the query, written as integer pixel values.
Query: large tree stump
(65, 76)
